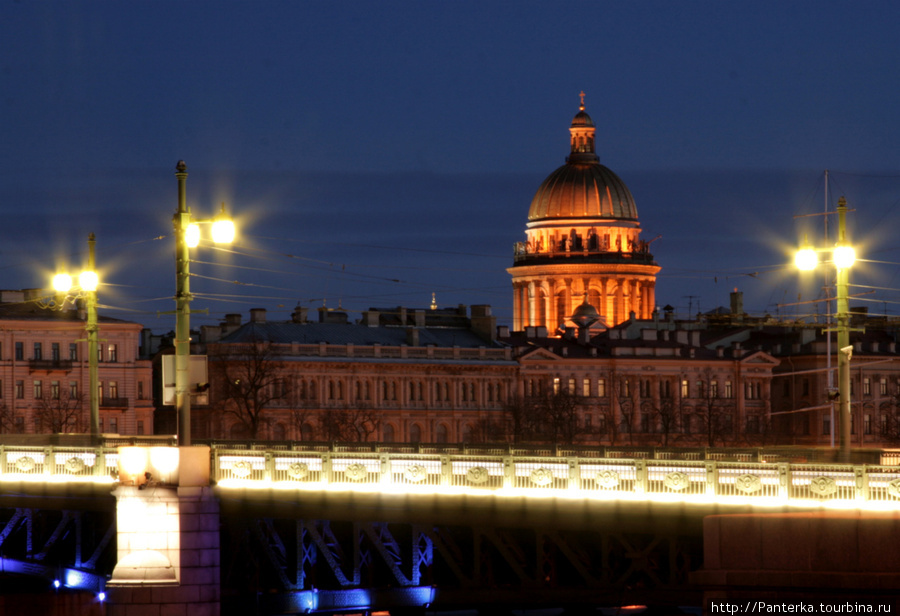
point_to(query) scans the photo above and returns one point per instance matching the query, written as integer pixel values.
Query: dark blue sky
(375, 153)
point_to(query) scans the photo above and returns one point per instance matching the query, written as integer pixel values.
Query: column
(167, 521)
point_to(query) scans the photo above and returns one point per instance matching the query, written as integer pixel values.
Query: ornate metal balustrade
(539, 476)
(533, 472)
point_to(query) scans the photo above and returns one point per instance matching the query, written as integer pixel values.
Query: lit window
(112, 353)
(38, 390)
(20, 390)
(601, 388)
(685, 388)
(586, 388)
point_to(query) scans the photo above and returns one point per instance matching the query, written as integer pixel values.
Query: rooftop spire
(581, 107)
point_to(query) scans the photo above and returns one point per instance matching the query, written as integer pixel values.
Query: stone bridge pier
(168, 535)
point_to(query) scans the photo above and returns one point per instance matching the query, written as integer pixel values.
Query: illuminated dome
(582, 191)
(582, 188)
(582, 240)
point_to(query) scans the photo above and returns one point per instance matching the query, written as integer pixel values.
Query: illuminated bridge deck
(740, 477)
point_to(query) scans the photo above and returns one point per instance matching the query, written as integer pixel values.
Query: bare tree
(522, 418)
(665, 411)
(247, 380)
(559, 414)
(356, 424)
(59, 414)
(626, 397)
(7, 420)
(716, 414)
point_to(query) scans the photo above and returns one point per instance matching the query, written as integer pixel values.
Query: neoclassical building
(582, 242)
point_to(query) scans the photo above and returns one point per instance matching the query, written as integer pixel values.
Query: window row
(413, 391)
(108, 352)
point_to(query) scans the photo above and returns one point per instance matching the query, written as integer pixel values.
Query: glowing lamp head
(806, 259)
(62, 283)
(88, 280)
(223, 231)
(844, 256)
(192, 235)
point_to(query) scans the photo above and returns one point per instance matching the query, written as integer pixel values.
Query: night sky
(374, 153)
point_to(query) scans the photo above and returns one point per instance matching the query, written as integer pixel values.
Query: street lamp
(86, 287)
(187, 236)
(842, 257)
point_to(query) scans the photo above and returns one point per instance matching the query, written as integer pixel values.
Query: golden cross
(582, 99)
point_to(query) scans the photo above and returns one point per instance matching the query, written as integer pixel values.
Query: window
(882, 386)
(826, 424)
(20, 390)
(686, 424)
(587, 423)
(112, 353)
(867, 389)
(714, 389)
(73, 390)
(685, 388)
(113, 390)
(38, 351)
(571, 387)
(701, 389)
(626, 388)
(20, 424)
(20, 352)
(54, 351)
(140, 390)
(729, 390)
(556, 385)
(665, 389)
(54, 390)
(114, 425)
(415, 433)
(586, 388)
(73, 351)
(38, 390)
(140, 426)
(601, 388)
(867, 423)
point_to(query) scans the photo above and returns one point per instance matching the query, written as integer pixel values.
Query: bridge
(352, 528)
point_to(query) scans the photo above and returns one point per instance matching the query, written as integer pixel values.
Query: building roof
(32, 310)
(286, 332)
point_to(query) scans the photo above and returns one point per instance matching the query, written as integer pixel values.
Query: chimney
(412, 337)
(419, 318)
(370, 318)
(257, 315)
(232, 320)
(737, 303)
(299, 314)
(484, 324)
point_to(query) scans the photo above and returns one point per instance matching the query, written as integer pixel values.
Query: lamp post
(187, 236)
(842, 256)
(88, 281)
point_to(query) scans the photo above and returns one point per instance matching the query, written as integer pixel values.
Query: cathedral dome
(582, 188)
(582, 191)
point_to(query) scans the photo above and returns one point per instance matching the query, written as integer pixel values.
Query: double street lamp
(187, 236)
(86, 288)
(842, 257)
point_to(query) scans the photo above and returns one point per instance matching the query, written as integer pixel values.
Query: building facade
(582, 242)
(395, 375)
(44, 370)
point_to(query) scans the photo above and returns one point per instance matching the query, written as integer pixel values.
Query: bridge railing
(58, 463)
(524, 472)
(756, 481)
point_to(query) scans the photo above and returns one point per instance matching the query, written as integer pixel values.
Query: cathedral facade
(582, 244)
